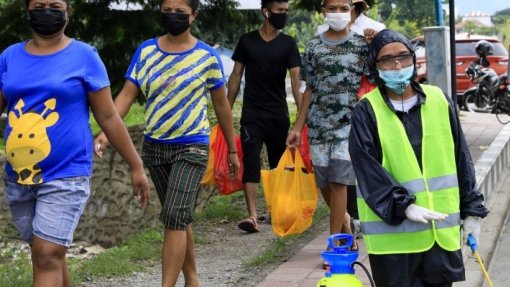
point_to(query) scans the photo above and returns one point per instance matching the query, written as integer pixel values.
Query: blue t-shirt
(47, 133)
(176, 87)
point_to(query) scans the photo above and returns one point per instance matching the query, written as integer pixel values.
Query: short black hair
(267, 3)
(359, 8)
(194, 4)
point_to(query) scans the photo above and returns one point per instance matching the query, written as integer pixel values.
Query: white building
(478, 17)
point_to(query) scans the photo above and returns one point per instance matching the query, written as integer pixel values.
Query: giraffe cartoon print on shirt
(28, 143)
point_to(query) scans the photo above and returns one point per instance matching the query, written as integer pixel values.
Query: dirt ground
(223, 255)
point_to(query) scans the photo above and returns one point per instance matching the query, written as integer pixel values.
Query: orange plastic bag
(208, 178)
(291, 195)
(365, 86)
(304, 149)
(225, 183)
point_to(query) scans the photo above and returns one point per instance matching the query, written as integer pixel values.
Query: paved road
(500, 265)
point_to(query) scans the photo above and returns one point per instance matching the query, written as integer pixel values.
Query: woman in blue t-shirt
(48, 83)
(176, 73)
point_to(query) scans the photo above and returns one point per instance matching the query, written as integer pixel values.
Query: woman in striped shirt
(176, 73)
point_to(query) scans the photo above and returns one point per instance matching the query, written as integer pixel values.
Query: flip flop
(249, 225)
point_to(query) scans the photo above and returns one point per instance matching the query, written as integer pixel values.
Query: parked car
(465, 54)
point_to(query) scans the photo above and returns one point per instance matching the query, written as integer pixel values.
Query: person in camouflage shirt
(334, 62)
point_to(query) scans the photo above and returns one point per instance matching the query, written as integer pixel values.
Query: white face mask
(338, 21)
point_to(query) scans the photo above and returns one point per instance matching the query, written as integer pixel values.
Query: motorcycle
(502, 104)
(489, 87)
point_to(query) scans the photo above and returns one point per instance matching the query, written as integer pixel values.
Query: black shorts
(255, 133)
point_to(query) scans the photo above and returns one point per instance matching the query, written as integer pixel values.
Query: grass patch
(15, 271)
(137, 252)
(277, 247)
(144, 247)
(15, 265)
(219, 207)
(8, 232)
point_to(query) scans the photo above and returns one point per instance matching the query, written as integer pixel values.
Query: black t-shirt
(266, 65)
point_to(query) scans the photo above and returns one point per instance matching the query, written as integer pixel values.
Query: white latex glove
(471, 226)
(423, 215)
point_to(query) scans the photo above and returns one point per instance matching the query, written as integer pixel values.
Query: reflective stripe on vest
(435, 185)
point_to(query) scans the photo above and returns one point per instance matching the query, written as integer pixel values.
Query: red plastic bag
(365, 86)
(304, 149)
(225, 183)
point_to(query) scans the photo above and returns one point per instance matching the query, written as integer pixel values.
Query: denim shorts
(50, 210)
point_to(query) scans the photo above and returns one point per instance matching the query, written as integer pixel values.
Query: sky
(249, 4)
(490, 7)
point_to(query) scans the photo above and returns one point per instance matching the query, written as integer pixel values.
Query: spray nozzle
(471, 242)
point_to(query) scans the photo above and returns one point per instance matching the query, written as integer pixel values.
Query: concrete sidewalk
(488, 144)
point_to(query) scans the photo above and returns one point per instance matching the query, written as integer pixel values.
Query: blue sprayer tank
(340, 259)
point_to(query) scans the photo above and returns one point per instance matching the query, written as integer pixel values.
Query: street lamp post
(440, 22)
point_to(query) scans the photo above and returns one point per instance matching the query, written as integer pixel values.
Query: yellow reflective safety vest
(435, 185)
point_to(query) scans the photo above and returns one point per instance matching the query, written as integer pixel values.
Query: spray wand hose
(472, 244)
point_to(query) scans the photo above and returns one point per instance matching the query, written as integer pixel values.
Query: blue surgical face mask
(397, 80)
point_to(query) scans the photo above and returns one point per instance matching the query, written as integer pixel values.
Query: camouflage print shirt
(333, 69)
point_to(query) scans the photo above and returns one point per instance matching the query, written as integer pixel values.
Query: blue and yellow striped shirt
(176, 87)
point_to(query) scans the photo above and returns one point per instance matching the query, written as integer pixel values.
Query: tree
(302, 26)
(501, 21)
(220, 22)
(403, 13)
(500, 17)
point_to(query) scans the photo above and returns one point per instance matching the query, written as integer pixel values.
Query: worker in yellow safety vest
(416, 180)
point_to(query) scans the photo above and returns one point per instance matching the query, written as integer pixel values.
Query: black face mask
(278, 20)
(175, 23)
(47, 21)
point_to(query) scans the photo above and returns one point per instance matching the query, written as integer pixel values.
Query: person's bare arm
(224, 115)
(294, 137)
(122, 103)
(111, 124)
(295, 83)
(234, 82)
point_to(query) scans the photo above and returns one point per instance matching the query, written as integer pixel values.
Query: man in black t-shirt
(266, 54)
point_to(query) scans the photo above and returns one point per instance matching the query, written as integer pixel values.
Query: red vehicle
(465, 54)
